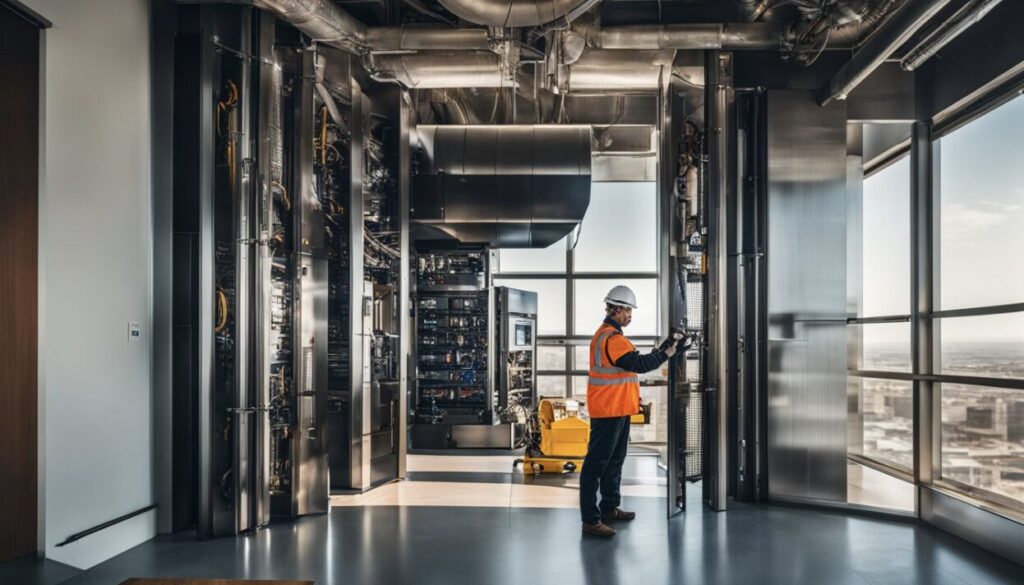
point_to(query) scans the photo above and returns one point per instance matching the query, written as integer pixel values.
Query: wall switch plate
(134, 331)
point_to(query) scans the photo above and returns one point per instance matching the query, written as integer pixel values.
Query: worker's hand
(671, 350)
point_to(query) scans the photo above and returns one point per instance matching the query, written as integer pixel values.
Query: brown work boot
(617, 514)
(598, 529)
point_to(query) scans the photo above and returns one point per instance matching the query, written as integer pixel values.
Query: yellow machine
(558, 437)
(559, 440)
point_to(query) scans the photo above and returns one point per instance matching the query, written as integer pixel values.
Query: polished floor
(402, 536)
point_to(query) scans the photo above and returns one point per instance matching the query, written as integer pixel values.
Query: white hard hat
(621, 296)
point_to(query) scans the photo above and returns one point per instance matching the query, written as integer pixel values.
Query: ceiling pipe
(427, 38)
(890, 36)
(440, 69)
(741, 36)
(964, 19)
(511, 13)
(321, 20)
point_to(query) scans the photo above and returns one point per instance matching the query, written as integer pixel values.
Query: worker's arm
(642, 363)
(625, 356)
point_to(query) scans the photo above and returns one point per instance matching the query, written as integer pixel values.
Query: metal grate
(694, 436)
(695, 304)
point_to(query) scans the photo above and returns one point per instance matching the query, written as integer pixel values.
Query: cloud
(961, 221)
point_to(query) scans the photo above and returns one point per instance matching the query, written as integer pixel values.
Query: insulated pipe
(427, 38)
(891, 35)
(964, 19)
(440, 70)
(320, 20)
(754, 35)
(511, 13)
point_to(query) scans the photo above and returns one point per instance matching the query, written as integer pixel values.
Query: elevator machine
(290, 193)
(249, 268)
(475, 355)
(368, 287)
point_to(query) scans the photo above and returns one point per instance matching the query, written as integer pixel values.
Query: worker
(613, 395)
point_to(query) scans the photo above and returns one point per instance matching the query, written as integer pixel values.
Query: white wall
(96, 264)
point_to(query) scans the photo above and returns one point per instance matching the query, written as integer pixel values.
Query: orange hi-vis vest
(611, 391)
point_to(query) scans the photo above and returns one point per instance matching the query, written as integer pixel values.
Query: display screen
(524, 334)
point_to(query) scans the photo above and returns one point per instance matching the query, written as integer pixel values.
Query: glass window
(589, 305)
(886, 346)
(552, 386)
(888, 421)
(581, 357)
(550, 301)
(551, 358)
(982, 210)
(983, 438)
(579, 387)
(620, 231)
(886, 242)
(550, 259)
(990, 346)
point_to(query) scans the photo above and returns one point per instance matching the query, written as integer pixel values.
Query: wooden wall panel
(19, 235)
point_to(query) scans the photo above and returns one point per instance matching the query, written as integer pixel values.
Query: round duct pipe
(320, 20)
(427, 38)
(742, 36)
(441, 69)
(511, 13)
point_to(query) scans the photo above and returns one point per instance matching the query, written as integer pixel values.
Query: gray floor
(424, 545)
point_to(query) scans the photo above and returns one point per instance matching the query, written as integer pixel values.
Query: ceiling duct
(502, 186)
(511, 13)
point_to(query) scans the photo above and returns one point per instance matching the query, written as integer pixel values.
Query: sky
(981, 234)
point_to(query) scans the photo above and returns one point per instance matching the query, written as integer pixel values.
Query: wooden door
(19, 221)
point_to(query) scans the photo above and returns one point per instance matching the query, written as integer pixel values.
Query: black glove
(674, 338)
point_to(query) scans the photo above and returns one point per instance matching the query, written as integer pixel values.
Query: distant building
(987, 420)
(1015, 421)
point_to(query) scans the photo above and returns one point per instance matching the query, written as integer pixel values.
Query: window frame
(570, 340)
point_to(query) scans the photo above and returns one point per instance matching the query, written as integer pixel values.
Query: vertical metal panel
(268, 84)
(670, 311)
(309, 486)
(244, 249)
(973, 523)
(404, 292)
(924, 235)
(854, 279)
(309, 457)
(206, 295)
(721, 99)
(357, 422)
(807, 177)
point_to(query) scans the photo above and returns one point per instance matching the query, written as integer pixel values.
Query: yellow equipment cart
(558, 441)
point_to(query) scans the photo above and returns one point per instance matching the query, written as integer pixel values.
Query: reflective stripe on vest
(611, 390)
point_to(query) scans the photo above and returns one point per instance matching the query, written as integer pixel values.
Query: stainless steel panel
(854, 276)
(309, 465)
(245, 250)
(967, 520)
(807, 209)
(404, 288)
(360, 111)
(269, 85)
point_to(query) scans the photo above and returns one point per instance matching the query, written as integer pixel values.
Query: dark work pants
(602, 467)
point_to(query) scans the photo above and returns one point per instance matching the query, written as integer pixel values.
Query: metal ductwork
(320, 20)
(615, 71)
(437, 70)
(729, 37)
(504, 186)
(427, 38)
(964, 19)
(890, 36)
(511, 13)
